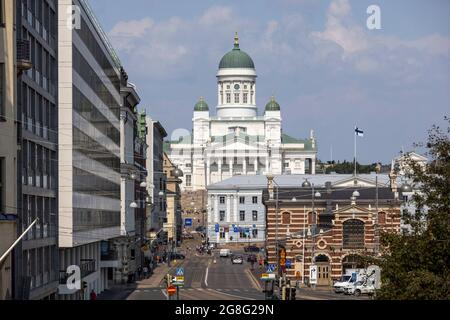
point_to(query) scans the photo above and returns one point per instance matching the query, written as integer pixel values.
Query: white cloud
(216, 15)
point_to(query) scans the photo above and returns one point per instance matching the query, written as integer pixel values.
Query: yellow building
(8, 142)
(173, 198)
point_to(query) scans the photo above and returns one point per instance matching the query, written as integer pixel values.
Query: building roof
(286, 139)
(201, 105)
(273, 105)
(236, 58)
(293, 181)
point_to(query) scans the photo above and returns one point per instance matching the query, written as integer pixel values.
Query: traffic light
(84, 285)
(293, 292)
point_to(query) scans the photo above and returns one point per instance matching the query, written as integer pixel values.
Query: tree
(415, 264)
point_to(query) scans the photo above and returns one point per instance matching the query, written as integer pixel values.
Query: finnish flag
(359, 132)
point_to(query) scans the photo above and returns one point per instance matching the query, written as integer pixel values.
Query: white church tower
(236, 140)
(236, 84)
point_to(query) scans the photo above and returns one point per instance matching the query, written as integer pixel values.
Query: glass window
(353, 234)
(228, 97)
(242, 215)
(255, 215)
(286, 218)
(222, 200)
(255, 200)
(188, 180)
(222, 215)
(236, 98)
(2, 90)
(242, 200)
(245, 98)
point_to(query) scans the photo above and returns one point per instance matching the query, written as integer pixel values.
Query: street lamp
(133, 205)
(143, 184)
(314, 195)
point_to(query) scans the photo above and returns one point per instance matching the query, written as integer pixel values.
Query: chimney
(270, 186)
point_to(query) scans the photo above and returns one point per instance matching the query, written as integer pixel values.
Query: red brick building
(344, 224)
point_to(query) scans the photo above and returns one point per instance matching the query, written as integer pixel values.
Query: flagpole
(354, 158)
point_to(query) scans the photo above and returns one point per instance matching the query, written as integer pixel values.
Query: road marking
(237, 290)
(146, 291)
(164, 293)
(137, 290)
(206, 276)
(232, 295)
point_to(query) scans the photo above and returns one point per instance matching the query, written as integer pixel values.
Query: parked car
(225, 253)
(237, 260)
(251, 249)
(342, 283)
(360, 287)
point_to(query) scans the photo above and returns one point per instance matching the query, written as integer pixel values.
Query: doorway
(323, 270)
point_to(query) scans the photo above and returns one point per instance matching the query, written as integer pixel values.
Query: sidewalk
(121, 292)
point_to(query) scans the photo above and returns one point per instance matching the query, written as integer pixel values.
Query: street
(205, 280)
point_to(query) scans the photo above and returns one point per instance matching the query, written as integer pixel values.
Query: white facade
(237, 140)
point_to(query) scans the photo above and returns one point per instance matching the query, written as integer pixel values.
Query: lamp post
(314, 195)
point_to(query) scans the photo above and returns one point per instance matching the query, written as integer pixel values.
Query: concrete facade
(8, 142)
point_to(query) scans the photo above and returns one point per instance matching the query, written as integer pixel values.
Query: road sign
(270, 268)
(236, 229)
(180, 272)
(268, 276)
(171, 290)
(188, 222)
(282, 257)
(313, 274)
(217, 228)
(288, 264)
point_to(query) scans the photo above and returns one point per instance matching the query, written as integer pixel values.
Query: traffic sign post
(171, 291)
(313, 275)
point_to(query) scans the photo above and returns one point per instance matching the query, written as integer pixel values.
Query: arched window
(382, 218)
(286, 218)
(353, 234)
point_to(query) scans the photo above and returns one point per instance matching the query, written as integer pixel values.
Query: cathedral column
(256, 165)
(244, 166)
(220, 169)
(267, 164)
(313, 166)
(231, 166)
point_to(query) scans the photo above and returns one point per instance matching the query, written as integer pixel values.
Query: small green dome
(236, 58)
(201, 105)
(273, 105)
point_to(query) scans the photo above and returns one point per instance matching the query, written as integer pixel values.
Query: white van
(225, 253)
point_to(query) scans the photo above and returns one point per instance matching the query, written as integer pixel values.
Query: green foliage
(415, 265)
(349, 168)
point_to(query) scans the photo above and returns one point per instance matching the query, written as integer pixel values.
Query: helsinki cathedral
(238, 140)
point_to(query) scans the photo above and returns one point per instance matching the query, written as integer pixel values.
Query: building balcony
(23, 55)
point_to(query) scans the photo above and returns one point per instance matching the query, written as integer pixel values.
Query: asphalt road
(208, 278)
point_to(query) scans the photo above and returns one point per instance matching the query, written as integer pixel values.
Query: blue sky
(325, 68)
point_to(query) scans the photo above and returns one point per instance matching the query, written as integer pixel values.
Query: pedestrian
(139, 273)
(93, 295)
(145, 272)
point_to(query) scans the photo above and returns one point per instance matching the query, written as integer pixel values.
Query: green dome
(236, 58)
(273, 105)
(201, 105)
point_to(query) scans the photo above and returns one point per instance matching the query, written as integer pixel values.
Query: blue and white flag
(359, 132)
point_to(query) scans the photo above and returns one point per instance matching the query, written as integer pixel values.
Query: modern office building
(36, 257)
(91, 106)
(156, 180)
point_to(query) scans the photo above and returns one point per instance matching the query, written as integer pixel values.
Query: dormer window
(237, 87)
